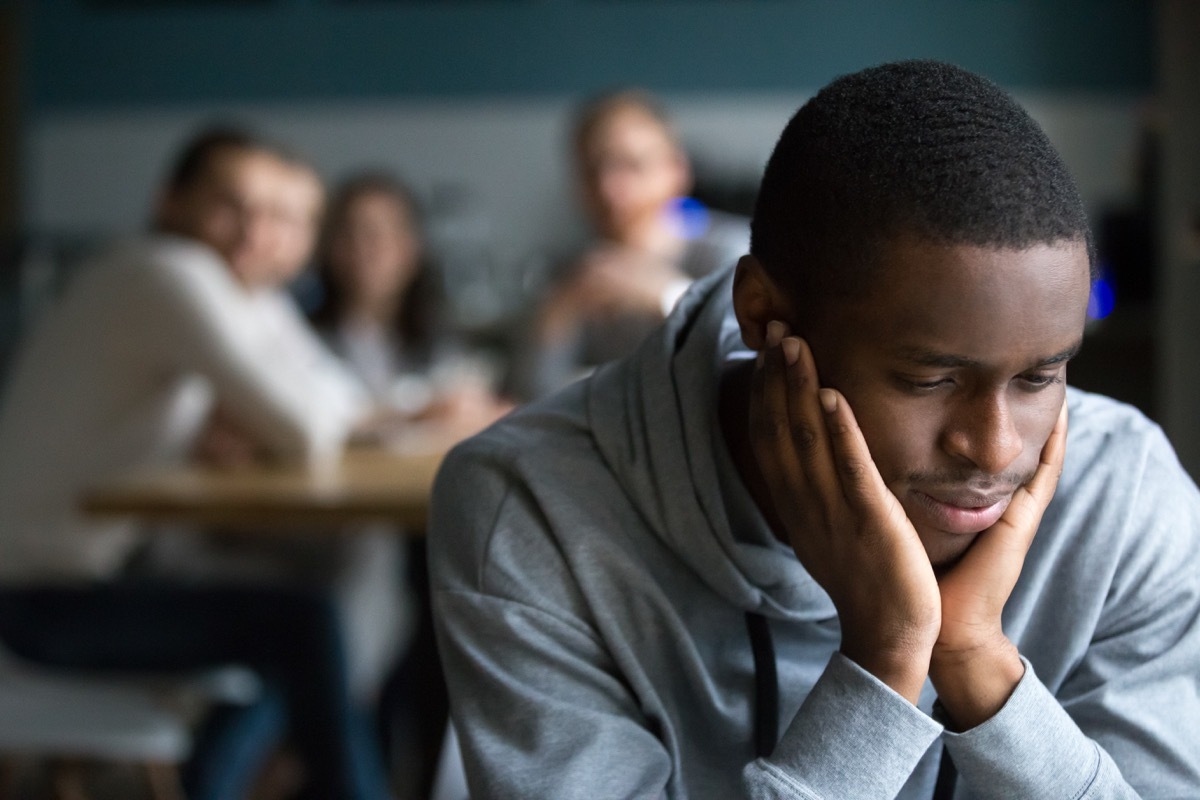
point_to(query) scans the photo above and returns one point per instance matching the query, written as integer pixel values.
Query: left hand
(974, 665)
(847, 529)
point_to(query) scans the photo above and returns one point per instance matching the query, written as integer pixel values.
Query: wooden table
(367, 485)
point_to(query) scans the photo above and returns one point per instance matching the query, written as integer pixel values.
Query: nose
(256, 227)
(612, 184)
(982, 432)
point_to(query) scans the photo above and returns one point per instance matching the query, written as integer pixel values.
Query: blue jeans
(290, 635)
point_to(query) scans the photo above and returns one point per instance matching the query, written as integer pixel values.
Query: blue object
(692, 216)
(1103, 297)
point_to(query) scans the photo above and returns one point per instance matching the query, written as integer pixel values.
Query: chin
(945, 549)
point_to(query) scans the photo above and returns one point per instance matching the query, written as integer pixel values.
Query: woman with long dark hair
(383, 310)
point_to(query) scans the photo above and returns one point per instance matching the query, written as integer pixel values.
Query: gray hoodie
(593, 557)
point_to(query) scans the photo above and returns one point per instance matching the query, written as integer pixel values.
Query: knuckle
(855, 470)
(805, 438)
(772, 429)
(843, 429)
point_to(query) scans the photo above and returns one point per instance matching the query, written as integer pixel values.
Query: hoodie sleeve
(853, 737)
(1032, 748)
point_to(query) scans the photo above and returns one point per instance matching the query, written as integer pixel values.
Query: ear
(756, 301)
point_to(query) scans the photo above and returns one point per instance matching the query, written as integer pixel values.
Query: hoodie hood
(654, 419)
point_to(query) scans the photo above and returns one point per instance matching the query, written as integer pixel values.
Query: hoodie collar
(654, 419)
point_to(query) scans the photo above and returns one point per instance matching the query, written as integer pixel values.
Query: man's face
(955, 367)
(630, 170)
(294, 220)
(244, 206)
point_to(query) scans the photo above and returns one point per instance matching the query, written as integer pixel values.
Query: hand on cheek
(848, 530)
(974, 665)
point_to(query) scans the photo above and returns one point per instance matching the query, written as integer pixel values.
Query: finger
(806, 419)
(861, 484)
(1007, 542)
(1045, 478)
(770, 430)
(1024, 512)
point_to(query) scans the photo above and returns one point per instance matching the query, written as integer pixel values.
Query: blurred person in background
(650, 241)
(382, 311)
(175, 345)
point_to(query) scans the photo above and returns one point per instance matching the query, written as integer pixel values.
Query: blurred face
(630, 170)
(295, 220)
(233, 207)
(955, 367)
(253, 209)
(374, 249)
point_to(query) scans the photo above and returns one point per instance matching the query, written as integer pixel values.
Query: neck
(733, 414)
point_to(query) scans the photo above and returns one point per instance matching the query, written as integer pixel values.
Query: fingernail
(828, 400)
(791, 350)
(774, 332)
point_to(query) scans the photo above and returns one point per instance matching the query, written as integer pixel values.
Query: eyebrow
(931, 358)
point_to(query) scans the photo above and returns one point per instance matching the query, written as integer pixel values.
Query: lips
(960, 512)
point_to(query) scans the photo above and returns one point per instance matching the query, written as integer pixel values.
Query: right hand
(607, 282)
(225, 444)
(614, 280)
(846, 527)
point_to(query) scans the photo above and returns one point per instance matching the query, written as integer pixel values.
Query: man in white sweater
(126, 369)
(176, 343)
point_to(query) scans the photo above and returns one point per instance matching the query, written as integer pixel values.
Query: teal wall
(106, 53)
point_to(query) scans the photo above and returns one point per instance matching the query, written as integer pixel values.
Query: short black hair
(198, 152)
(918, 148)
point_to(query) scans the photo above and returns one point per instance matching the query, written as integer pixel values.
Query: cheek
(220, 230)
(901, 433)
(902, 439)
(1035, 421)
(617, 191)
(303, 237)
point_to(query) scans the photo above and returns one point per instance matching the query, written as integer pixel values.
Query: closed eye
(1038, 381)
(923, 384)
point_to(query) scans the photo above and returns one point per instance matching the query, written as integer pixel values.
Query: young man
(177, 343)
(707, 572)
(632, 173)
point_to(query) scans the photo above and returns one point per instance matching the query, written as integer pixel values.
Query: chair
(70, 718)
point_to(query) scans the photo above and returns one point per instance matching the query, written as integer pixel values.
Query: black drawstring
(766, 704)
(766, 686)
(947, 774)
